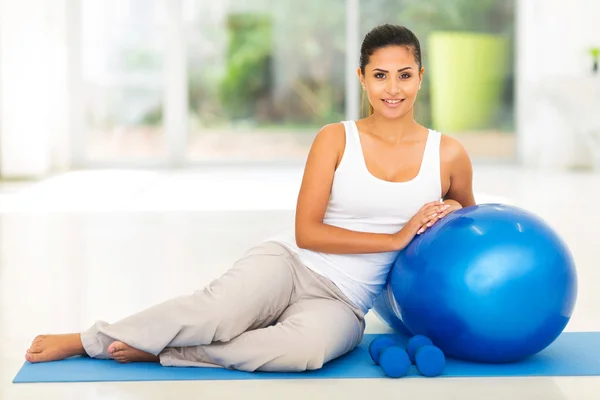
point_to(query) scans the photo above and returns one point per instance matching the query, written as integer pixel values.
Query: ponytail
(362, 105)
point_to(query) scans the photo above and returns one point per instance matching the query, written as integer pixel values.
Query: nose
(393, 87)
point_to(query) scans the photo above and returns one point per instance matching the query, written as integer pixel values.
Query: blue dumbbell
(378, 345)
(430, 360)
(394, 362)
(415, 343)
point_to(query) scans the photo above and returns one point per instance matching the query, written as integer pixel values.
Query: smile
(392, 102)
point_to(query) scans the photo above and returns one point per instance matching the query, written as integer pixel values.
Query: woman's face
(392, 80)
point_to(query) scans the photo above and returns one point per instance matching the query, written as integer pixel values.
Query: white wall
(554, 80)
(33, 91)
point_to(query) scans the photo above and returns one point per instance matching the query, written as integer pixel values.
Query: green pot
(467, 72)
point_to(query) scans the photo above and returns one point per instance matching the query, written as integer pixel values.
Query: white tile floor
(104, 244)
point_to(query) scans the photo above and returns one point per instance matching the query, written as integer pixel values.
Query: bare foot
(54, 347)
(124, 353)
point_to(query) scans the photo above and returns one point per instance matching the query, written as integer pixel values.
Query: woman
(297, 301)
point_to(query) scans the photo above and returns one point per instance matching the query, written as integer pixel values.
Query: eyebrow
(383, 70)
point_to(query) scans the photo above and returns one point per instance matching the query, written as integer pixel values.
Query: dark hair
(388, 35)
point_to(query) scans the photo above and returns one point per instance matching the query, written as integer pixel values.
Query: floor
(94, 245)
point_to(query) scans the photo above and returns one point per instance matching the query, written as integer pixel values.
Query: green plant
(248, 76)
(283, 65)
(311, 51)
(154, 117)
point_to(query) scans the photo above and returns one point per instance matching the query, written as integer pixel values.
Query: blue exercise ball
(385, 307)
(488, 283)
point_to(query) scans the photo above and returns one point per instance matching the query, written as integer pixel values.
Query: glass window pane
(123, 84)
(264, 76)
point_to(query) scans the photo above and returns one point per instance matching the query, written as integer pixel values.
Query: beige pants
(268, 313)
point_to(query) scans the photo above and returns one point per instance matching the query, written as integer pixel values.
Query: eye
(379, 75)
(405, 76)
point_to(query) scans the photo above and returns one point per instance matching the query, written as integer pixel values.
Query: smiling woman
(369, 188)
(393, 76)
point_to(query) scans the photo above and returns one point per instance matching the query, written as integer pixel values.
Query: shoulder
(331, 136)
(332, 131)
(452, 151)
(330, 141)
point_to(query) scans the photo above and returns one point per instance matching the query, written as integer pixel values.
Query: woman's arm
(311, 232)
(456, 161)
(460, 171)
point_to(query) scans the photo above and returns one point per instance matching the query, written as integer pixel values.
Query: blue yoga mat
(572, 354)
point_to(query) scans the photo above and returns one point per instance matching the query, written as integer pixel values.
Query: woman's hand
(424, 216)
(449, 206)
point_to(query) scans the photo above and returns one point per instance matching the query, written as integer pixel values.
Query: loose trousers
(269, 312)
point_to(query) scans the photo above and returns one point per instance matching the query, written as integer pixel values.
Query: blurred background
(176, 83)
(145, 145)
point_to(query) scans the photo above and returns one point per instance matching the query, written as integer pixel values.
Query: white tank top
(361, 202)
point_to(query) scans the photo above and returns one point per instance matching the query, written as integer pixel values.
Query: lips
(392, 102)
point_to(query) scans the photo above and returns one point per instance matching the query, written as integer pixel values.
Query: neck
(393, 130)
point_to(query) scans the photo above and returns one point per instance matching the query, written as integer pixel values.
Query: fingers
(431, 204)
(444, 213)
(436, 208)
(441, 210)
(448, 209)
(427, 221)
(428, 225)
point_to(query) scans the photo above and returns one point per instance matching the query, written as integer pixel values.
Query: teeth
(393, 101)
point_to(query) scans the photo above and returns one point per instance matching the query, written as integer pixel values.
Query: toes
(114, 346)
(39, 339)
(37, 344)
(117, 346)
(120, 357)
(117, 354)
(32, 358)
(35, 348)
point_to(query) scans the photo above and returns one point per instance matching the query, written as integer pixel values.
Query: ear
(361, 77)
(421, 73)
